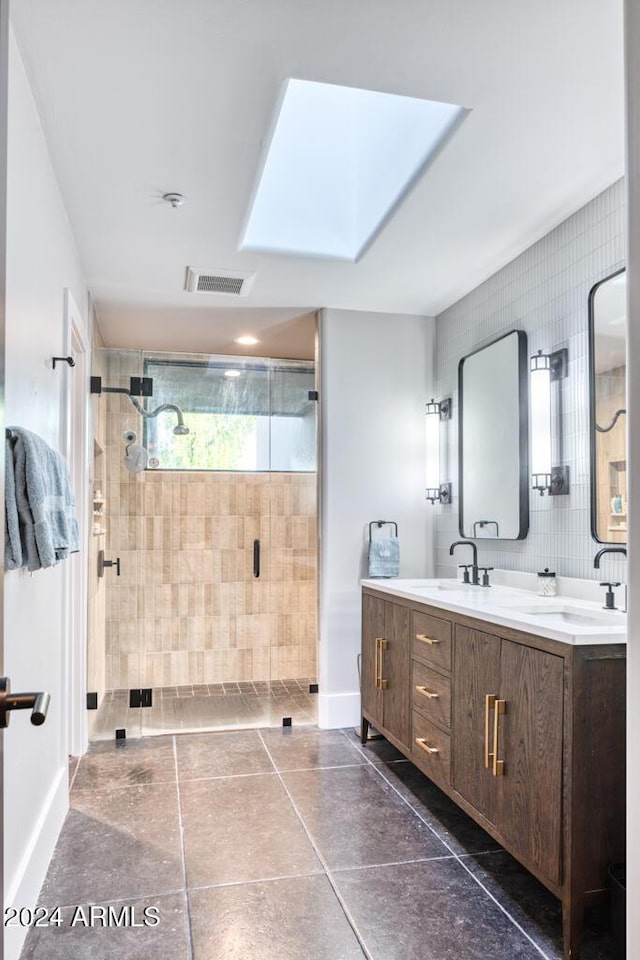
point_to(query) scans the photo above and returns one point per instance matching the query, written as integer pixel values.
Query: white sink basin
(574, 617)
(448, 586)
(453, 585)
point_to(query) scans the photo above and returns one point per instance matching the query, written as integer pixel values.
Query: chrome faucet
(475, 576)
(609, 600)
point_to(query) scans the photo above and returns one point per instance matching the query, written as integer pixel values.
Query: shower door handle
(256, 558)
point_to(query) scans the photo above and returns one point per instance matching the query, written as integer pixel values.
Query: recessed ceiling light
(232, 373)
(340, 161)
(247, 340)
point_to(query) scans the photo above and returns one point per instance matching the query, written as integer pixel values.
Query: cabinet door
(373, 630)
(396, 670)
(476, 674)
(530, 744)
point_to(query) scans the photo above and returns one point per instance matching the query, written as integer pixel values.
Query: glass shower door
(293, 541)
(209, 502)
(115, 556)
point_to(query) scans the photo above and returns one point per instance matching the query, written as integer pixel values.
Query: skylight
(340, 161)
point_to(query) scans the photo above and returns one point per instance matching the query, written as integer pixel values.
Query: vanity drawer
(432, 640)
(431, 694)
(430, 748)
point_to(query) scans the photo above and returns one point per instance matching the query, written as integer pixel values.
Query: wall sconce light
(436, 412)
(546, 369)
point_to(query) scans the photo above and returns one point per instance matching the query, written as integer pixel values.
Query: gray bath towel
(12, 545)
(39, 504)
(384, 557)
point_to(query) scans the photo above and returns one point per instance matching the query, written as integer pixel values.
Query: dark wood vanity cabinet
(508, 724)
(527, 735)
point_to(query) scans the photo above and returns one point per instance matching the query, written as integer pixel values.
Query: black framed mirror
(493, 440)
(607, 405)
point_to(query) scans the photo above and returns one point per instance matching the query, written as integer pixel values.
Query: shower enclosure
(203, 566)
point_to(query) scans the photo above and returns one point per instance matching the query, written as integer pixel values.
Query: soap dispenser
(547, 583)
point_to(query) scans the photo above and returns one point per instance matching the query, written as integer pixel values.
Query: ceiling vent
(226, 282)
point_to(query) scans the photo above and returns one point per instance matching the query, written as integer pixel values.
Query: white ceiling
(141, 97)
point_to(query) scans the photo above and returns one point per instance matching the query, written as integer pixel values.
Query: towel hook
(68, 360)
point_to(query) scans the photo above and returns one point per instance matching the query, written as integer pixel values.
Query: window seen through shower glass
(242, 414)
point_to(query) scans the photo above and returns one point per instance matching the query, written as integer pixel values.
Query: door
(476, 676)
(76, 449)
(394, 670)
(529, 793)
(373, 633)
(4, 69)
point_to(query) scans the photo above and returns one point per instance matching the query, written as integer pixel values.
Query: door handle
(256, 558)
(38, 703)
(499, 709)
(102, 563)
(383, 646)
(489, 705)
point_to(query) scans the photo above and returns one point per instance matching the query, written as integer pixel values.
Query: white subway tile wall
(545, 292)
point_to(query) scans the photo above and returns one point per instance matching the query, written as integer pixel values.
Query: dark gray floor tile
(355, 818)
(538, 911)
(278, 920)
(293, 749)
(127, 763)
(429, 911)
(377, 750)
(116, 844)
(168, 938)
(221, 754)
(451, 824)
(242, 828)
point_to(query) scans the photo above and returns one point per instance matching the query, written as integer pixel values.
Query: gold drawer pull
(489, 705)
(498, 765)
(381, 645)
(426, 639)
(427, 693)
(422, 743)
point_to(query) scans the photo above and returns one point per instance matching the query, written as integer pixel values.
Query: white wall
(544, 291)
(633, 426)
(41, 261)
(375, 378)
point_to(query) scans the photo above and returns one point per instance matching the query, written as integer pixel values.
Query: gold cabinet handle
(489, 705)
(422, 743)
(383, 647)
(425, 639)
(377, 666)
(498, 765)
(427, 693)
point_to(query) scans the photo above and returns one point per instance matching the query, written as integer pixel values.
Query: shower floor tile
(203, 707)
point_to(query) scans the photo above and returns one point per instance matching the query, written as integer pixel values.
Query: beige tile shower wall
(187, 608)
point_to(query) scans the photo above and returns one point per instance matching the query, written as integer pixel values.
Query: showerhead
(180, 430)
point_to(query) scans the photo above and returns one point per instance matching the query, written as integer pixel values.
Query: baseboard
(25, 889)
(338, 710)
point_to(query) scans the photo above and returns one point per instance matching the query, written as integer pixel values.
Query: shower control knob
(102, 563)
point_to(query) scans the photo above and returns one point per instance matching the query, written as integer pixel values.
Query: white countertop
(568, 617)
